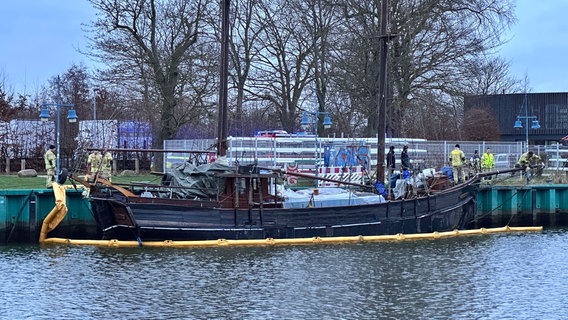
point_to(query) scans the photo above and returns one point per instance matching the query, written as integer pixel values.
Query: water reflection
(479, 277)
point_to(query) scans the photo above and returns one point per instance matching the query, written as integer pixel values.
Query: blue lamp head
(327, 122)
(305, 120)
(518, 124)
(44, 115)
(72, 115)
(535, 124)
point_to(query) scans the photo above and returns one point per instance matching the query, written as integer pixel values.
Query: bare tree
(321, 21)
(435, 38)
(289, 56)
(480, 124)
(75, 89)
(150, 41)
(355, 65)
(488, 75)
(433, 119)
(6, 114)
(430, 42)
(244, 36)
(285, 67)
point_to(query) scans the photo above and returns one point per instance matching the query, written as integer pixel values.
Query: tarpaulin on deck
(198, 181)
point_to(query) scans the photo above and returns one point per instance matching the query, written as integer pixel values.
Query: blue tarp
(448, 172)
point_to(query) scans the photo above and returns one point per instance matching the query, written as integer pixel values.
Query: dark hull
(167, 219)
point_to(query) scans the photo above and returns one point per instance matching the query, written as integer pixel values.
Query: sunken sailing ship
(222, 201)
(218, 201)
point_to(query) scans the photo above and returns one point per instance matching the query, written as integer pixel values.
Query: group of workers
(404, 160)
(486, 163)
(97, 165)
(483, 163)
(397, 184)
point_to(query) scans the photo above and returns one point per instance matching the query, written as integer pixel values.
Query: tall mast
(382, 73)
(222, 121)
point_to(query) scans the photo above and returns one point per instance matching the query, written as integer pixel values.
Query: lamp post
(95, 90)
(519, 124)
(71, 116)
(312, 117)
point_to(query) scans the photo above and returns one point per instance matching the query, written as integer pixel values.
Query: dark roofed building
(550, 109)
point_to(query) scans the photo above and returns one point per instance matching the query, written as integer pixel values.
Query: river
(497, 276)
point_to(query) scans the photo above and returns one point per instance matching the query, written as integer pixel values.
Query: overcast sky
(40, 39)
(539, 44)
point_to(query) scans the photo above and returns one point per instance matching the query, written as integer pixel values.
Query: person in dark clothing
(475, 162)
(391, 161)
(405, 159)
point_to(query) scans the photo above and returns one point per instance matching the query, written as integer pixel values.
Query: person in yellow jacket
(528, 161)
(457, 158)
(487, 161)
(50, 160)
(94, 163)
(107, 166)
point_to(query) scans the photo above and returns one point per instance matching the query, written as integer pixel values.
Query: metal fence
(302, 150)
(278, 151)
(281, 150)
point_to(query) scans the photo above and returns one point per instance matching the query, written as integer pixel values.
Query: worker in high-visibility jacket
(107, 166)
(50, 160)
(94, 164)
(457, 158)
(528, 161)
(487, 161)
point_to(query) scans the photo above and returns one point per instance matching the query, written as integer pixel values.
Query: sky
(41, 38)
(539, 45)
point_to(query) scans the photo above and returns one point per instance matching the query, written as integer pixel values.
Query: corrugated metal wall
(551, 110)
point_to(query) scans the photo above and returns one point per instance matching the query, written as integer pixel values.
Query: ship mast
(222, 117)
(382, 103)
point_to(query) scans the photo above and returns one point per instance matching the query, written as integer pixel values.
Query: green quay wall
(22, 212)
(533, 205)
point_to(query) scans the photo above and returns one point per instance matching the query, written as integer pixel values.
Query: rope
(501, 205)
(26, 201)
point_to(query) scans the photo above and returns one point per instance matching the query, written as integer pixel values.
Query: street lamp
(519, 124)
(311, 118)
(71, 116)
(95, 90)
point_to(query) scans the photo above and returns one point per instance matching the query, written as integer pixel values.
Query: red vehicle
(270, 133)
(564, 141)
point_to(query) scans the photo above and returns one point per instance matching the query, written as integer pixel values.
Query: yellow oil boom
(57, 214)
(295, 241)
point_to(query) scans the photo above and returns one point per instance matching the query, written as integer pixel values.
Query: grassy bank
(14, 182)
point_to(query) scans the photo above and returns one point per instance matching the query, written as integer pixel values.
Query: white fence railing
(557, 157)
(424, 154)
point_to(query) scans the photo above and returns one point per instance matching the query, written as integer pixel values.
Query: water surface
(500, 276)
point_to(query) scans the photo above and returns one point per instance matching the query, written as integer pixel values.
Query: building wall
(551, 110)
